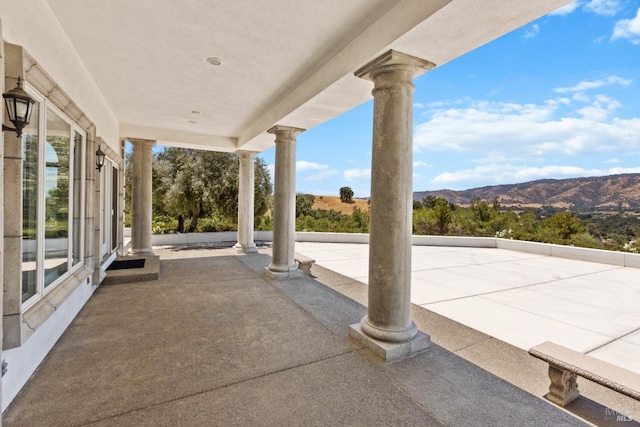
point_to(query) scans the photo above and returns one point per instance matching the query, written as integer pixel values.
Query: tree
(304, 204)
(346, 194)
(442, 213)
(560, 227)
(195, 183)
(262, 188)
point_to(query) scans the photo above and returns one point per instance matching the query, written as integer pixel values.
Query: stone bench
(304, 263)
(565, 365)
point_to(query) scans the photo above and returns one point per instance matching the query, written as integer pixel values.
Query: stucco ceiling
(283, 62)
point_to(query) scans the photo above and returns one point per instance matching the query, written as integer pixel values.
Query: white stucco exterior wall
(33, 26)
(23, 361)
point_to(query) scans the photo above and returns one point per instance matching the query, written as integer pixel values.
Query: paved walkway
(214, 343)
(520, 298)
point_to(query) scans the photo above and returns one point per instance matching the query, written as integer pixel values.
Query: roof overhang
(283, 62)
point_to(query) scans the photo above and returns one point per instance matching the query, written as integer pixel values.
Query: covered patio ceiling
(283, 62)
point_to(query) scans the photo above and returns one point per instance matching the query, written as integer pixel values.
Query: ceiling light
(214, 61)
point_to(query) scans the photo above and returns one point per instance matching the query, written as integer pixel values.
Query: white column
(388, 319)
(141, 196)
(283, 264)
(246, 194)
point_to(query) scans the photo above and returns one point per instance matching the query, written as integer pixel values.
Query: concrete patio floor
(214, 343)
(521, 298)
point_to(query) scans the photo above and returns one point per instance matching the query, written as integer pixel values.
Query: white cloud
(418, 105)
(493, 157)
(566, 9)
(628, 29)
(303, 166)
(618, 171)
(532, 31)
(600, 109)
(599, 7)
(613, 160)
(528, 131)
(504, 173)
(351, 174)
(421, 164)
(603, 7)
(321, 171)
(594, 84)
(322, 175)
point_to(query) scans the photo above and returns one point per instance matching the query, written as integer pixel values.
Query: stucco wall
(33, 25)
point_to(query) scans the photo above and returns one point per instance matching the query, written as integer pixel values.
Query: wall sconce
(19, 108)
(99, 159)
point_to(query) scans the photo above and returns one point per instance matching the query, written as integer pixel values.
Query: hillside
(334, 202)
(593, 192)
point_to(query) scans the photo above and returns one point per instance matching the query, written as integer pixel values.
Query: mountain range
(613, 191)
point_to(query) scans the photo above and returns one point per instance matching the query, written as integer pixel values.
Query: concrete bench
(565, 365)
(304, 263)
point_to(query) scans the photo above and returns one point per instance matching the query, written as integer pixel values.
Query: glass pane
(78, 155)
(56, 192)
(30, 205)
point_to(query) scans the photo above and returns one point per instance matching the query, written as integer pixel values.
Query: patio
(214, 343)
(517, 297)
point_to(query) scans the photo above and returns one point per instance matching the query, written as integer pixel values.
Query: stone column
(283, 265)
(246, 193)
(141, 196)
(388, 329)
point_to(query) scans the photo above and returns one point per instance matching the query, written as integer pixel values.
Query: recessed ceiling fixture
(214, 61)
(195, 112)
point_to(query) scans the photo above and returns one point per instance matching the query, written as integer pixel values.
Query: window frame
(44, 105)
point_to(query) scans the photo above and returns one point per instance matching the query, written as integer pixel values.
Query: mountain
(594, 192)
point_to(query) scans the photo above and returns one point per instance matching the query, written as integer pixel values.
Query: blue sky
(557, 98)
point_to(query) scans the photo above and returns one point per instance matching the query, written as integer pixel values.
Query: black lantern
(99, 159)
(19, 108)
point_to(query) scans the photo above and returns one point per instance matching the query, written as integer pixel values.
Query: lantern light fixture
(99, 159)
(19, 108)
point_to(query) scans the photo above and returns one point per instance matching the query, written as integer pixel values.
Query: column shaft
(391, 197)
(246, 194)
(284, 204)
(141, 197)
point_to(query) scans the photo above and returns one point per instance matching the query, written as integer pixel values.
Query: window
(53, 195)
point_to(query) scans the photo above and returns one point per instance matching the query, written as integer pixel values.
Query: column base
(142, 251)
(241, 249)
(390, 351)
(283, 275)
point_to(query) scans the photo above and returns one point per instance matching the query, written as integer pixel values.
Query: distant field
(334, 202)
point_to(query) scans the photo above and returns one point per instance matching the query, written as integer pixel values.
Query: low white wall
(632, 260)
(455, 241)
(520, 246)
(586, 254)
(622, 259)
(23, 361)
(306, 236)
(193, 238)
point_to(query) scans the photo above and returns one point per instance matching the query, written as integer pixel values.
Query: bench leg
(564, 386)
(305, 267)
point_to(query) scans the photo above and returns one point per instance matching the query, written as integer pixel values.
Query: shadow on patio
(214, 343)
